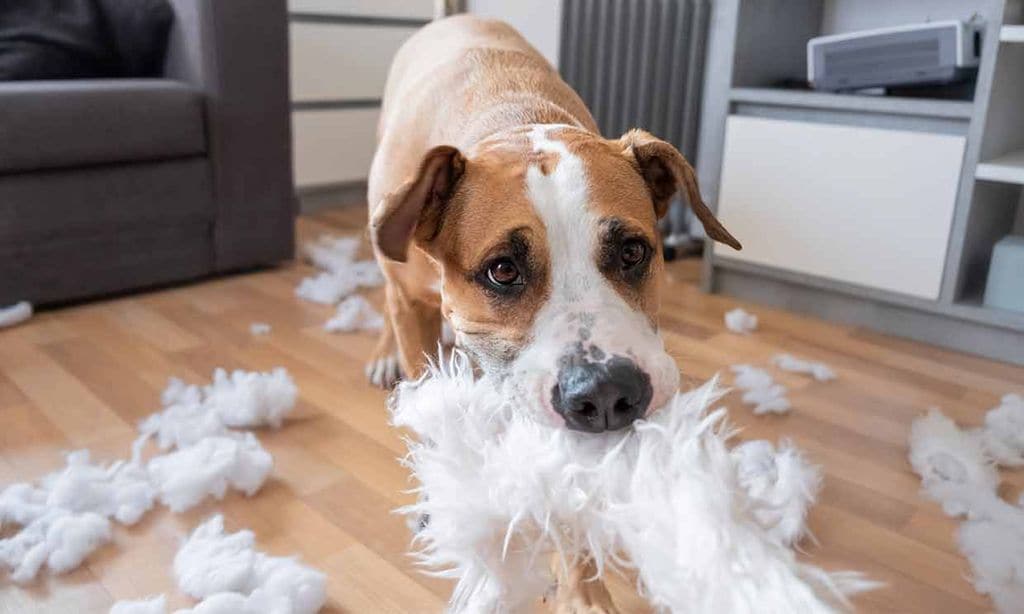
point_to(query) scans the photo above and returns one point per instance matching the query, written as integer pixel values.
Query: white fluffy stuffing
(355, 313)
(502, 490)
(211, 564)
(151, 605)
(65, 516)
(1003, 433)
(782, 484)
(957, 471)
(243, 399)
(15, 314)
(740, 321)
(952, 464)
(184, 478)
(818, 370)
(342, 273)
(258, 329)
(760, 390)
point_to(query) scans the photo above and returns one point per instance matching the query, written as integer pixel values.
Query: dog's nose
(596, 397)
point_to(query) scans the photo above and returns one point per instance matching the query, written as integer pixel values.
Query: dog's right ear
(417, 208)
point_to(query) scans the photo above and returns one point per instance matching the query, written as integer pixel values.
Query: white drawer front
(333, 146)
(342, 62)
(860, 205)
(409, 9)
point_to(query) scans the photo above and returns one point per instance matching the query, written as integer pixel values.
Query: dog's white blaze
(583, 307)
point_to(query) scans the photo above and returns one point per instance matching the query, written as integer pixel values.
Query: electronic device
(938, 52)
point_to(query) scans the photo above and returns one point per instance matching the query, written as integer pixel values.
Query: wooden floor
(83, 376)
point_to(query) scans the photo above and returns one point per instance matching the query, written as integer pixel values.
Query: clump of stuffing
(65, 516)
(212, 562)
(760, 390)
(258, 329)
(740, 321)
(355, 313)
(818, 370)
(342, 273)
(503, 489)
(243, 399)
(230, 576)
(782, 484)
(15, 314)
(151, 605)
(1003, 433)
(957, 470)
(952, 463)
(208, 467)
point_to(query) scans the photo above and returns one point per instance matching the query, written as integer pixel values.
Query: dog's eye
(504, 272)
(632, 253)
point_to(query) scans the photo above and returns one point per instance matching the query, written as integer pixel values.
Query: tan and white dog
(496, 205)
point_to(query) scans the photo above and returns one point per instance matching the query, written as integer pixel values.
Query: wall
(540, 21)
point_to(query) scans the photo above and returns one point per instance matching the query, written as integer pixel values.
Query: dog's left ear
(665, 170)
(415, 209)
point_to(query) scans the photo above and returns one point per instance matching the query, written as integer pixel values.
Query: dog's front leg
(579, 590)
(416, 326)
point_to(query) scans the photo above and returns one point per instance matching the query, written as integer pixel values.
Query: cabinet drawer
(406, 9)
(333, 146)
(331, 61)
(865, 206)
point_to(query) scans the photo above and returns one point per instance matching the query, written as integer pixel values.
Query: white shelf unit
(1007, 169)
(756, 61)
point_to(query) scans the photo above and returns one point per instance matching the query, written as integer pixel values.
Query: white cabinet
(865, 206)
(333, 146)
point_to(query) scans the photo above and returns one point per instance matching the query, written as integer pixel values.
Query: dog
(497, 206)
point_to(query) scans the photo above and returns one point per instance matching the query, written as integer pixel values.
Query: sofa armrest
(236, 53)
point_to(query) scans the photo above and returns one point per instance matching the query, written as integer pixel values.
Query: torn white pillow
(818, 370)
(503, 490)
(740, 321)
(207, 468)
(760, 390)
(355, 313)
(15, 314)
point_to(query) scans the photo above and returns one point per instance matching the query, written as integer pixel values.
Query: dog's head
(550, 261)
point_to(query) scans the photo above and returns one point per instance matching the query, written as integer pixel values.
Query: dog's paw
(384, 371)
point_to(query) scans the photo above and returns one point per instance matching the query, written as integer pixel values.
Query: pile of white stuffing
(340, 277)
(764, 394)
(229, 576)
(705, 528)
(959, 470)
(66, 515)
(15, 314)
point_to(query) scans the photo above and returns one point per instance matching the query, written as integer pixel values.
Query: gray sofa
(114, 185)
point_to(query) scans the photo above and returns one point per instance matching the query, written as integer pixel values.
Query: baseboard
(317, 198)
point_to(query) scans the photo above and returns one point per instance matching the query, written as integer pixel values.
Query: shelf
(891, 105)
(1012, 34)
(1005, 169)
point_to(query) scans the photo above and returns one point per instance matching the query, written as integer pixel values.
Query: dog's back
(456, 81)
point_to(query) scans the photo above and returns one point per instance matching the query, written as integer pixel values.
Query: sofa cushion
(59, 124)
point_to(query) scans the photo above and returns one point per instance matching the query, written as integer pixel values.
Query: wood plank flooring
(83, 376)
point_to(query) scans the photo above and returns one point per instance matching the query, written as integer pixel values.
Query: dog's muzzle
(600, 396)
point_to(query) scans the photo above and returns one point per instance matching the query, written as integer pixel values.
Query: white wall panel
(334, 146)
(339, 61)
(860, 205)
